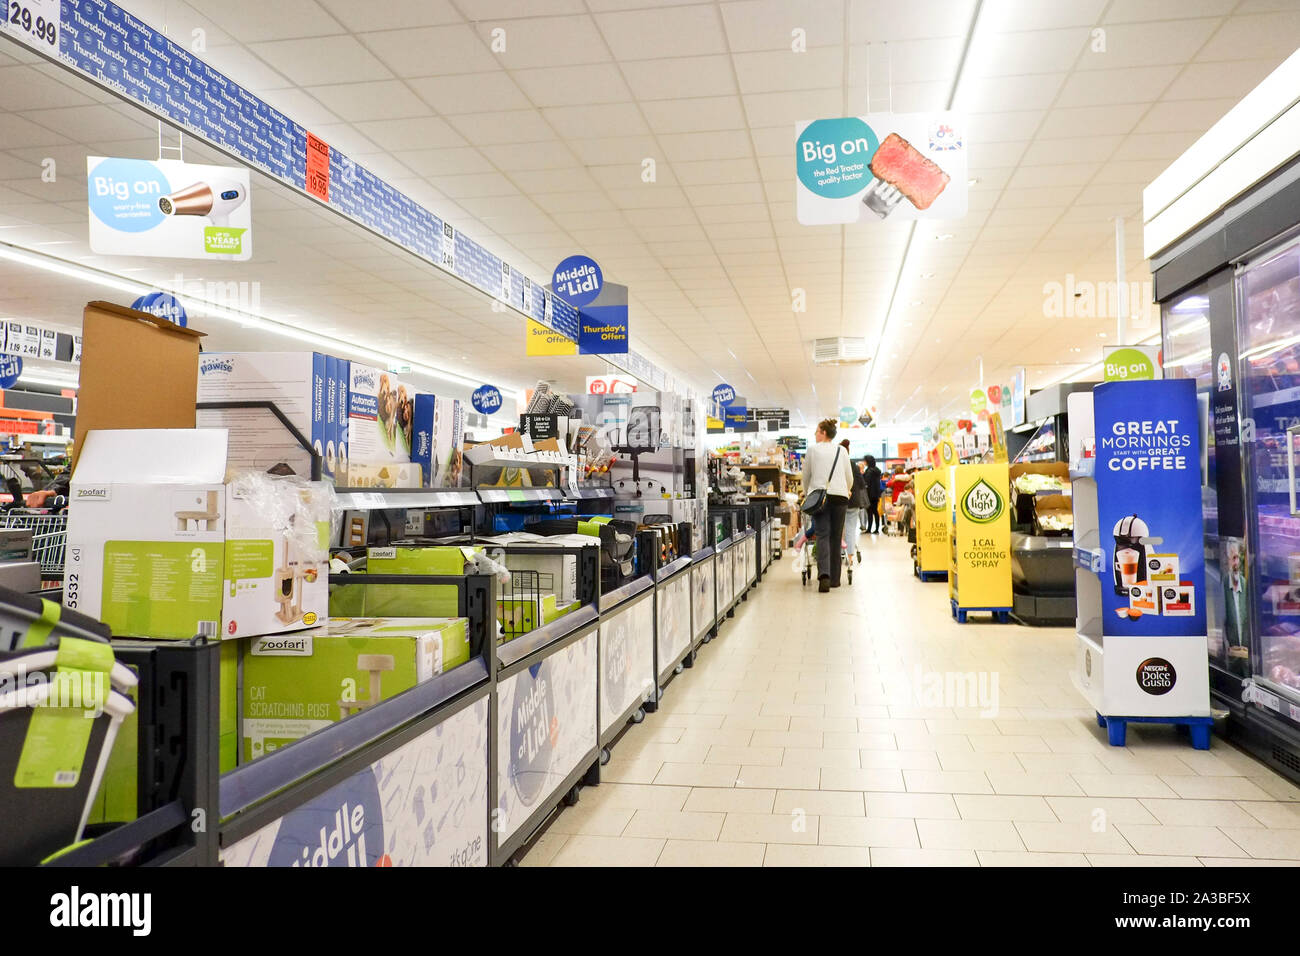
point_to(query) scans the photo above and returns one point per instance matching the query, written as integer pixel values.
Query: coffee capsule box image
(1162, 568)
(295, 684)
(1178, 600)
(1144, 598)
(298, 384)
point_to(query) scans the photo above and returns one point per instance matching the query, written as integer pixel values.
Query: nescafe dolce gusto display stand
(1136, 469)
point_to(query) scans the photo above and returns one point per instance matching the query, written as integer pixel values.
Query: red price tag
(318, 168)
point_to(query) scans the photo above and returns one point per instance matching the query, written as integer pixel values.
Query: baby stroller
(805, 552)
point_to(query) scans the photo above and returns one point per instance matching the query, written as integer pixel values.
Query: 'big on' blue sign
(724, 394)
(578, 280)
(163, 305)
(11, 368)
(486, 399)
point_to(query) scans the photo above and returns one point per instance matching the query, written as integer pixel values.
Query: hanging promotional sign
(169, 209)
(994, 393)
(737, 417)
(948, 453)
(1018, 397)
(164, 305)
(578, 280)
(723, 395)
(603, 323)
(932, 517)
(848, 415)
(609, 385)
(540, 340)
(979, 402)
(1149, 508)
(927, 434)
(486, 399)
(1131, 363)
(11, 369)
(901, 166)
(867, 416)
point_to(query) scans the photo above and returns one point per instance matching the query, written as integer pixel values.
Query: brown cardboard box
(137, 371)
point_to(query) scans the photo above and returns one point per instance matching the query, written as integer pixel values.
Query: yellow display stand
(979, 575)
(932, 517)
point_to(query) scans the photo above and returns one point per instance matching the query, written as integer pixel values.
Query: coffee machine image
(1132, 539)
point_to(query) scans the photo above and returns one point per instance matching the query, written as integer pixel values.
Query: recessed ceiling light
(972, 182)
(943, 236)
(916, 302)
(1101, 335)
(938, 340)
(927, 275)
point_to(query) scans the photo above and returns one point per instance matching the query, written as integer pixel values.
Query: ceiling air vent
(840, 351)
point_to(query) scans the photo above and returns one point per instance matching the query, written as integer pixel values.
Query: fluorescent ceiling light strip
(250, 320)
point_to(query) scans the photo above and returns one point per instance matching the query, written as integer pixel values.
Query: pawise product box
(341, 412)
(160, 546)
(381, 412)
(295, 381)
(1163, 568)
(438, 441)
(332, 416)
(298, 683)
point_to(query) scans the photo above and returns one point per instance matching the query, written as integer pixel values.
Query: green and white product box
(555, 572)
(530, 612)
(295, 684)
(399, 600)
(159, 548)
(299, 385)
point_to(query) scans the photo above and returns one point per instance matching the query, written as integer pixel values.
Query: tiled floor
(865, 727)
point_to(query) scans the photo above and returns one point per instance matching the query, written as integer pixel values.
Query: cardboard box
(374, 475)
(1163, 568)
(295, 381)
(296, 684)
(1178, 600)
(159, 548)
(520, 614)
(381, 415)
(555, 572)
(341, 413)
(438, 442)
(331, 463)
(162, 397)
(399, 600)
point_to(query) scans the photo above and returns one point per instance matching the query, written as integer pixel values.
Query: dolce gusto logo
(982, 503)
(1156, 676)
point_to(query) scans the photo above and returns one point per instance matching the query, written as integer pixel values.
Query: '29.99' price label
(35, 22)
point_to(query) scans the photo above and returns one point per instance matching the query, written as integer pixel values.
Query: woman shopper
(826, 466)
(853, 514)
(871, 479)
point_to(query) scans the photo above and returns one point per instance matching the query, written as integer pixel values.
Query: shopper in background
(826, 465)
(871, 480)
(857, 502)
(897, 482)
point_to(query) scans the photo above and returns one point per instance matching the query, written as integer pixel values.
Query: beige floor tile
(778, 778)
(677, 719)
(675, 825)
(790, 827)
(791, 710)
(1276, 816)
(959, 760)
(757, 756)
(1155, 862)
(1007, 743)
(665, 753)
(787, 854)
(1061, 763)
(980, 806)
(900, 759)
(1071, 838)
(927, 806)
(543, 850)
(819, 725)
(853, 778)
(730, 800)
(1214, 788)
(1104, 810)
(890, 725)
(698, 774)
(787, 738)
(637, 796)
(930, 781)
(840, 803)
(722, 737)
(859, 741)
(1276, 787)
(886, 856)
(1124, 785)
(941, 743)
(666, 734)
(913, 712)
(1023, 859)
(586, 850)
(695, 853)
(803, 757)
(1037, 728)
(1163, 840)
(743, 722)
(1200, 813)
(1142, 759)
(1076, 744)
(1264, 844)
(642, 770)
(868, 831)
(593, 818)
(1234, 861)
(968, 726)
(968, 835)
(1214, 763)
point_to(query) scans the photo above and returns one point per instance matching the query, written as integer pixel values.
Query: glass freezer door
(1269, 327)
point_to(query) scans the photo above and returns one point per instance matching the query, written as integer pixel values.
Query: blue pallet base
(1000, 614)
(1197, 727)
(930, 575)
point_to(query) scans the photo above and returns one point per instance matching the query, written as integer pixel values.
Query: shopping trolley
(49, 540)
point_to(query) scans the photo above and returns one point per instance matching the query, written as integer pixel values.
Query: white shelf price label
(37, 23)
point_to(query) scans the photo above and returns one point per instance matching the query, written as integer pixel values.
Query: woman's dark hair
(845, 444)
(870, 460)
(827, 427)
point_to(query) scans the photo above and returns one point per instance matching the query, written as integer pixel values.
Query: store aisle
(866, 727)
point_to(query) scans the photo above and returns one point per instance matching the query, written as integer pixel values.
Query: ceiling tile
(545, 41)
(695, 115)
(432, 51)
(665, 31)
(391, 14)
(321, 60)
(566, 85)
(384, 99)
